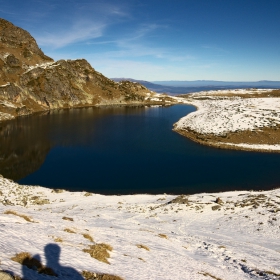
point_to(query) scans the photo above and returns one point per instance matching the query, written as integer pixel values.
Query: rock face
(30, 81)
(18, 51)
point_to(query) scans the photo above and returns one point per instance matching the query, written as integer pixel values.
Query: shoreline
(224, 121)
(198, 101)
(228, 235)
(10, 117)
(221, 145)
(159, 100)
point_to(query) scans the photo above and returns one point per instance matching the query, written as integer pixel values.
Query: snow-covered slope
(232, 114)
(152, 236)
(225, 112)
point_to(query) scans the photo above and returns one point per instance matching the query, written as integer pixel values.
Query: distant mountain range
(180, 87)
(216, 83)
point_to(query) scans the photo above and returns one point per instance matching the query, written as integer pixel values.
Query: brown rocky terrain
(31, 82)
(264, 136)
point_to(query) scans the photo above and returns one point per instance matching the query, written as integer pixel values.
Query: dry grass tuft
(6, 275)
(181, 199)
(20, 257)
(272, 273)
(58, 239)
(25, 258)
(87, 236)
(163, 235)
(68, 219)
(26, 218)
(88, 194)
(58, 191)
(210, 275)
(92, 275)
(99, 252)
(141, 246)
(69, 230)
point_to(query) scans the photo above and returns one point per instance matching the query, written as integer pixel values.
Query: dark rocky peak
(18, 42)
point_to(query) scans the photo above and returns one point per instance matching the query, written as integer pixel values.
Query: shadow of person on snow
(52, 268)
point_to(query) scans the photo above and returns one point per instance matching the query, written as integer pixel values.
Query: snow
(221, 114)
(5, 85)
(266, 147)
(233, 91)
(236, 114)
(240, 240)
(6, 116)
(45, 65)
(154, 99)
(7, 104)
(237, 238)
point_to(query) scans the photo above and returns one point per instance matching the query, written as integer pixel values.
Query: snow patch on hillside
(188, 237)
(5, 116)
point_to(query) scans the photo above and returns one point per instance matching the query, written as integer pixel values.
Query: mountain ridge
(183, 87)
(218, 83)
(31, 82)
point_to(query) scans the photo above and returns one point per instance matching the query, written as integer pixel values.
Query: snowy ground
(225, 111)
(153, 236)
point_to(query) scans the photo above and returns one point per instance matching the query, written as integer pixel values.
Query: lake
(125, 150)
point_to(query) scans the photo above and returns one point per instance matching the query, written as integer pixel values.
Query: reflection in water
(26, 141)
(22, 150)
(79, 125)
(124, 150)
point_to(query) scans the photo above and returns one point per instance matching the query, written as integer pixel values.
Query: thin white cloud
(138, 49)
(144, 30)
(81, 31)
(129, 39)
(7, 12)
(31, 11)
(85, 21)
(215, 48)
(143, 70)
(177, 58)
(134, 44)
(138, 45)
(118, 11)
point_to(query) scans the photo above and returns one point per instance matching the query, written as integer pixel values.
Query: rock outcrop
(31, 82)
(18, 51)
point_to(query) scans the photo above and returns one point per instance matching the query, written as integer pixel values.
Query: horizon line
(271, 81)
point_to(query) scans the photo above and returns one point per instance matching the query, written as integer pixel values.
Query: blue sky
(227, 40)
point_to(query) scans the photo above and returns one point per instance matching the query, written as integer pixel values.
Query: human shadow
(31, 266)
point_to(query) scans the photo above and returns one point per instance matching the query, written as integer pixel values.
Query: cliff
(31, 82)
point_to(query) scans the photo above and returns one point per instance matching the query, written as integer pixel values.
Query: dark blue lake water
(125, 150)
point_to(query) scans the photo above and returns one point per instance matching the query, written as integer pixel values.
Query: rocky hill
(31, 82)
